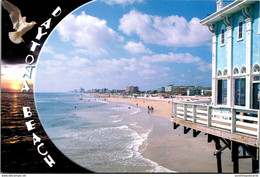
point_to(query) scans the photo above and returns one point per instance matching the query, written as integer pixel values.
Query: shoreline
(173, 150)
(162, 106)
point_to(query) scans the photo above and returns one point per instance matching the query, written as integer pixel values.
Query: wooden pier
(235, 128)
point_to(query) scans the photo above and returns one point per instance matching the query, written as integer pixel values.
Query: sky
(118, 43)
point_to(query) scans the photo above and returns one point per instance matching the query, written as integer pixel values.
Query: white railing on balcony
(232, 119)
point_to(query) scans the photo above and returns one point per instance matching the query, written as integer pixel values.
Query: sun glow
(15, 87)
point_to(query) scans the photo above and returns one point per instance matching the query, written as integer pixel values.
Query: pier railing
(233, 119)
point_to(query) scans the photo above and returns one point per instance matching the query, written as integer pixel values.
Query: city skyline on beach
(112, 44)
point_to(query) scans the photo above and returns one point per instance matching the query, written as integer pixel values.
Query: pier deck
(235, 128)
(237, 124)
(239, 137)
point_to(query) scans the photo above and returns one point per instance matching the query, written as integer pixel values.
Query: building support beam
(222, 143)
(253, 153)
(255, 162)
(218, 155)
(195, 133)
(175, 126)
(186, 130)
(234, 155)
(226, 142)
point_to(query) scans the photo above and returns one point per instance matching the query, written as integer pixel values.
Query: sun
(15, 87)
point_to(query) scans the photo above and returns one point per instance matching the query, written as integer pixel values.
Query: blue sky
(117, 43)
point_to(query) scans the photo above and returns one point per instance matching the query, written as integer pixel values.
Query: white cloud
(13, 71)
(204, 67)
(171, 57)
(115, 65)
(111, 2)
(77, 61)
(92, 52)
(147, 72)
(166, 68)
(60, 57)
(137, 48)
(47, 49)
(88, 32)
(166, 31)
(199, 77)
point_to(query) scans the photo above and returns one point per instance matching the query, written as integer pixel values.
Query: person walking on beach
(151, 109)
(148, 109)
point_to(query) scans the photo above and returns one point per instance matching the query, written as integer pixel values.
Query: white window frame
(240, 19)
(225, 72)
(217, 93)
(219, 73)
(241, 76)
(237, 76)
(254, 72)
(259, 25)
(241, 70)
(236, 68)
(222, 28)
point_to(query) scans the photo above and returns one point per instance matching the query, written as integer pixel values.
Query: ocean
(101, 136)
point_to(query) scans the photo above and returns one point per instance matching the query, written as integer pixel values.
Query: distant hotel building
(235, 54)
(132, 89)
(161, 89)
(185, 90)
(81, 90)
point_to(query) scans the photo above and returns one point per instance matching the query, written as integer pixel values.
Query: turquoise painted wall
(221, 50)
(256, 34)
(239, 46)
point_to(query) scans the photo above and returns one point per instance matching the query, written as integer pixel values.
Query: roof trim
(225, 11)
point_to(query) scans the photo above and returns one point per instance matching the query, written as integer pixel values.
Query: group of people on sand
(150, 109)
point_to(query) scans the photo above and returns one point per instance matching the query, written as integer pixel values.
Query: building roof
(226, 11)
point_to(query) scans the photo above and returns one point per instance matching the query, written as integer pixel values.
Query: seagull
(19, 22)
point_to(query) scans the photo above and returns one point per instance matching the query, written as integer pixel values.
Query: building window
(243, 70)
(258, 25)
(222, 92)
(219, 73)
(225, 72)
(256, 68)
(222, 37)
(240, 91)
(256, 78)
(235, 71)
(240, 28)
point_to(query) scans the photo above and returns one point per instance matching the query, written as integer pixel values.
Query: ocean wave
(157, 168)
(101, 101)
(115, 121)
(116, 118)
(136, 110)
(138, 141)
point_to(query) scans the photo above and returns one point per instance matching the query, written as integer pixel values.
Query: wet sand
(176, 151)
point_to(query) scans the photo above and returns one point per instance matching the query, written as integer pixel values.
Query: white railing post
(174, 109)
(185, 112)
(258, 127)
(233, 120)
(209, 115)
(194, 111)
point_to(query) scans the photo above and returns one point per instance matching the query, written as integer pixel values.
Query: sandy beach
(162, 108)
(172, 148)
